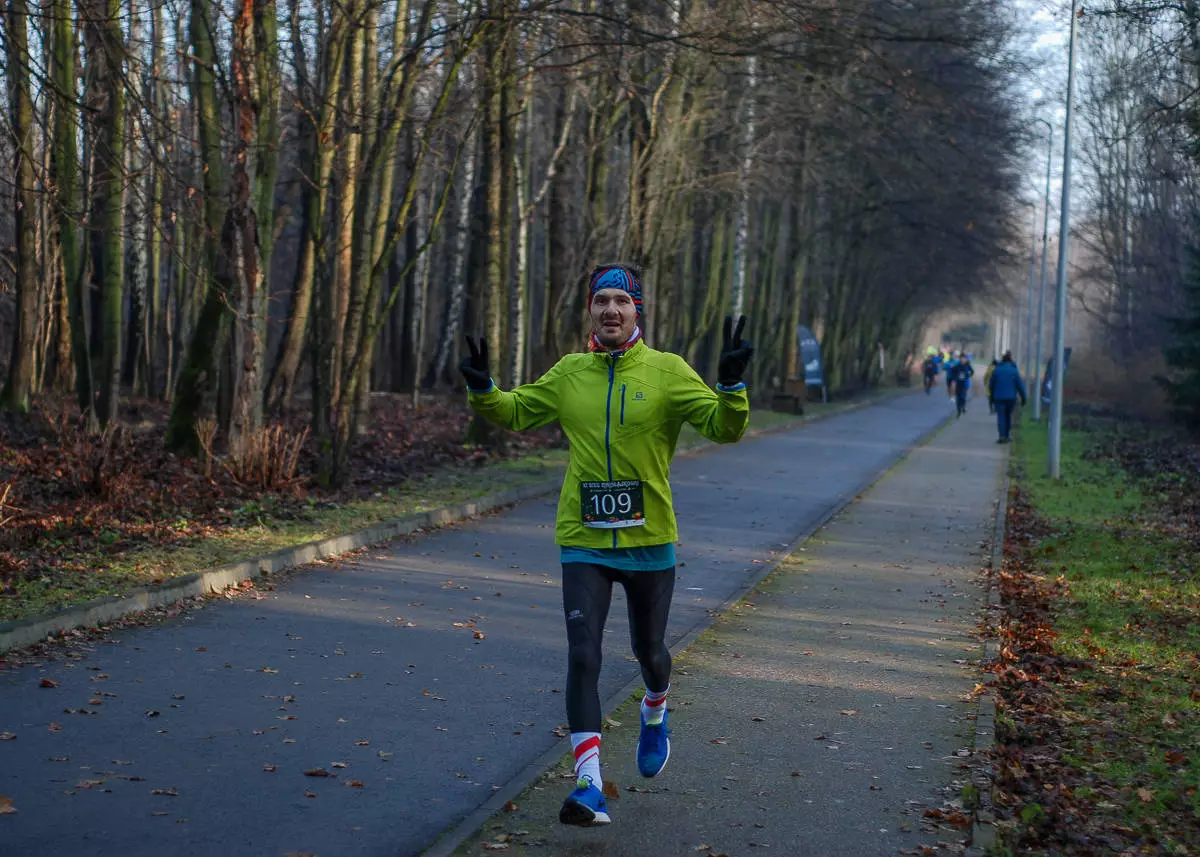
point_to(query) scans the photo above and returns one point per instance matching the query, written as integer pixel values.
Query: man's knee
(655, 656)
(584, 659)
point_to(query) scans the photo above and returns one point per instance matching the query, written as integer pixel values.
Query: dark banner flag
(812, 368)
(810, 357)
(1048, 378)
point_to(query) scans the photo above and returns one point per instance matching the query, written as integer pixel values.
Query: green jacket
(622, 415)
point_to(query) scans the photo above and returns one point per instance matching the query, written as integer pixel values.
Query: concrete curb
(25, 632)
(452, 839)
(983, 831)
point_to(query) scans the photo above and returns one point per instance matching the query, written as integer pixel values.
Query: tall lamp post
(1035, 375)
(1054, 463)
(1026, 349)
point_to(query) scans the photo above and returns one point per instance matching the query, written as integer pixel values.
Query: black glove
(475, 366)
(735, 354)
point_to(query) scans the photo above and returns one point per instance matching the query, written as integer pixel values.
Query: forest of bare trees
(237, 207)
(1139, 119)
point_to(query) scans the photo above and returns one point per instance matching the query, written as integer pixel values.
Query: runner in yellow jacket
(622, 406)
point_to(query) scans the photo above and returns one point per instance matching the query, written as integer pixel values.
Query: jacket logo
(639, 396)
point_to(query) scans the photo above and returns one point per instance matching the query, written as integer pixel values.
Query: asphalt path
(420, 676)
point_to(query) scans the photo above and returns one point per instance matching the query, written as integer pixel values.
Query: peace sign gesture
(474, 367)
(735, 353)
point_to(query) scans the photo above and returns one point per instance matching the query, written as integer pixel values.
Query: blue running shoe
(654, 748)
(585, 807)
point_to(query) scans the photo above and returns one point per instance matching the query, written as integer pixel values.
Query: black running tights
(587, 593)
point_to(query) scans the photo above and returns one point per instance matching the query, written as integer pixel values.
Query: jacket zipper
(612, 377)
(622, 404)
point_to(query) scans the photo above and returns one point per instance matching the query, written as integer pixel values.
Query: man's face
(614, 317)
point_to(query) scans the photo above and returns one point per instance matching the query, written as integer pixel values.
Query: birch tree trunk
(137, 212)
(452, 328)
(743, 213)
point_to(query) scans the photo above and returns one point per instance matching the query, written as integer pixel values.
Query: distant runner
(621, 406)
(1004, 386)
(960, 376)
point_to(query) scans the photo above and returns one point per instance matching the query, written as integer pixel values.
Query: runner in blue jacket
(1005, 386)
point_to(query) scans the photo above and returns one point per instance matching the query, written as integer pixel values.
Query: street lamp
(1026, 349)
(1060, 311)
(1035, 375)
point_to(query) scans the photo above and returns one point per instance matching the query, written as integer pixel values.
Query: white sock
(654, 706)
(587, 756)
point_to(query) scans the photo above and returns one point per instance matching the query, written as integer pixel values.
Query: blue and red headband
(616, 277)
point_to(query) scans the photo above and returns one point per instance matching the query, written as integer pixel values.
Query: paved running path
(427, 672)
(830, 711)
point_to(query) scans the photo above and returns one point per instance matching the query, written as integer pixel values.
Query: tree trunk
(18, 387)
(207, 340)
(137, 256)
(107, 99)
(240, 237)
(743, 212)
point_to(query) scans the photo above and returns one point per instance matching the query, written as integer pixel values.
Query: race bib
(612, 505)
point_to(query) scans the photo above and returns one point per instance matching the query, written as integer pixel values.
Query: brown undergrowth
(75, 505)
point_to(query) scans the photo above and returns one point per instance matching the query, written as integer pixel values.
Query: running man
(621, 406)
(960, 375)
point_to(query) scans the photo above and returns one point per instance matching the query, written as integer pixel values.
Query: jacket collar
(633, 352)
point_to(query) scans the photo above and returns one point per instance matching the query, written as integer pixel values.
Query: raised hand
(474, 366)
(735, 353)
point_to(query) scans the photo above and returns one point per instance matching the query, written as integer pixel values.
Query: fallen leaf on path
(509, 806)
(759, 719)
(6, 805)
(8, 736)
(479, 635)
(849, 712)
(269, 768)
(317, 772)
(718, 741)
(171, 792)
(337, 764)
(354, 784)
(494, 846)
(159, 813)
(610, 790)
(1145, 795)
(307, 793)
(47, 682)
(362, 742)
(703, 846)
